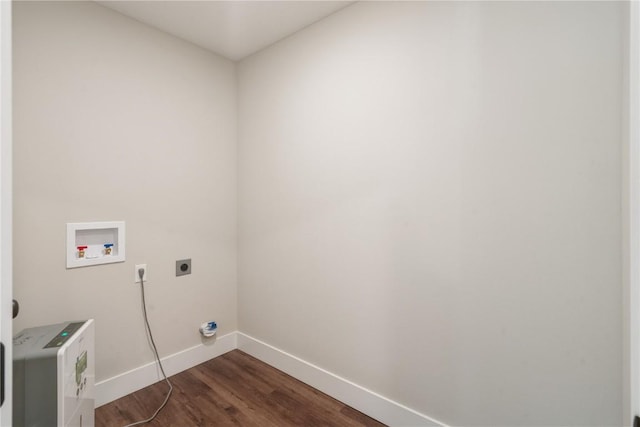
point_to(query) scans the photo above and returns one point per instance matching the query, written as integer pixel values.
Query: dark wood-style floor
(233, 389)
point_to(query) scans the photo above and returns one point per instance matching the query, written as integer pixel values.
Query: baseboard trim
(143, 376)
(366, 401)
(376, 406)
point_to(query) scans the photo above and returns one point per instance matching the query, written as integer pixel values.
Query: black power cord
(155, 352)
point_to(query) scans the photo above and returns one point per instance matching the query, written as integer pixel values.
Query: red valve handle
(82, 247)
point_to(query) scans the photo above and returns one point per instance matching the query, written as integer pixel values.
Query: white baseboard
(366, 401)
(143, 376)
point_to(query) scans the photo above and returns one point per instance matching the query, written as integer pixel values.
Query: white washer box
(54, 375)
(94, 237)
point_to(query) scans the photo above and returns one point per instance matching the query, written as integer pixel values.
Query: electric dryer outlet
(183, 266)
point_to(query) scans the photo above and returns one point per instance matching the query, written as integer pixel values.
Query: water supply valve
(81, 250)
(107, 248)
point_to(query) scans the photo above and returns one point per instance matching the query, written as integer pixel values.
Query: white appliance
(54, 375)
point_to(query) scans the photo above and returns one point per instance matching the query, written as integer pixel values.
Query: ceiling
(233, 29)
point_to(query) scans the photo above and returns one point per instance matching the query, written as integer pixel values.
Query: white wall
(430, 199)
(430, 206)
(118, 121)
(631, 217)
(6, 179)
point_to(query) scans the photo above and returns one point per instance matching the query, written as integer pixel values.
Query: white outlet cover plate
(145, 276)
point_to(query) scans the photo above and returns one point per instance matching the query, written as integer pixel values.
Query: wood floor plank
(233, 390)
(258, 403)
(248, 402)
(225, 402)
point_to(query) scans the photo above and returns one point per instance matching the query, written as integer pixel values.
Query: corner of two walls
(114, 120)
(430, 206)
(428, 197)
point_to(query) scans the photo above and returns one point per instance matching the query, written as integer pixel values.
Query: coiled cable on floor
(155, 352)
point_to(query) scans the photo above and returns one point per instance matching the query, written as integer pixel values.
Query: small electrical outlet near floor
(145, 277)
